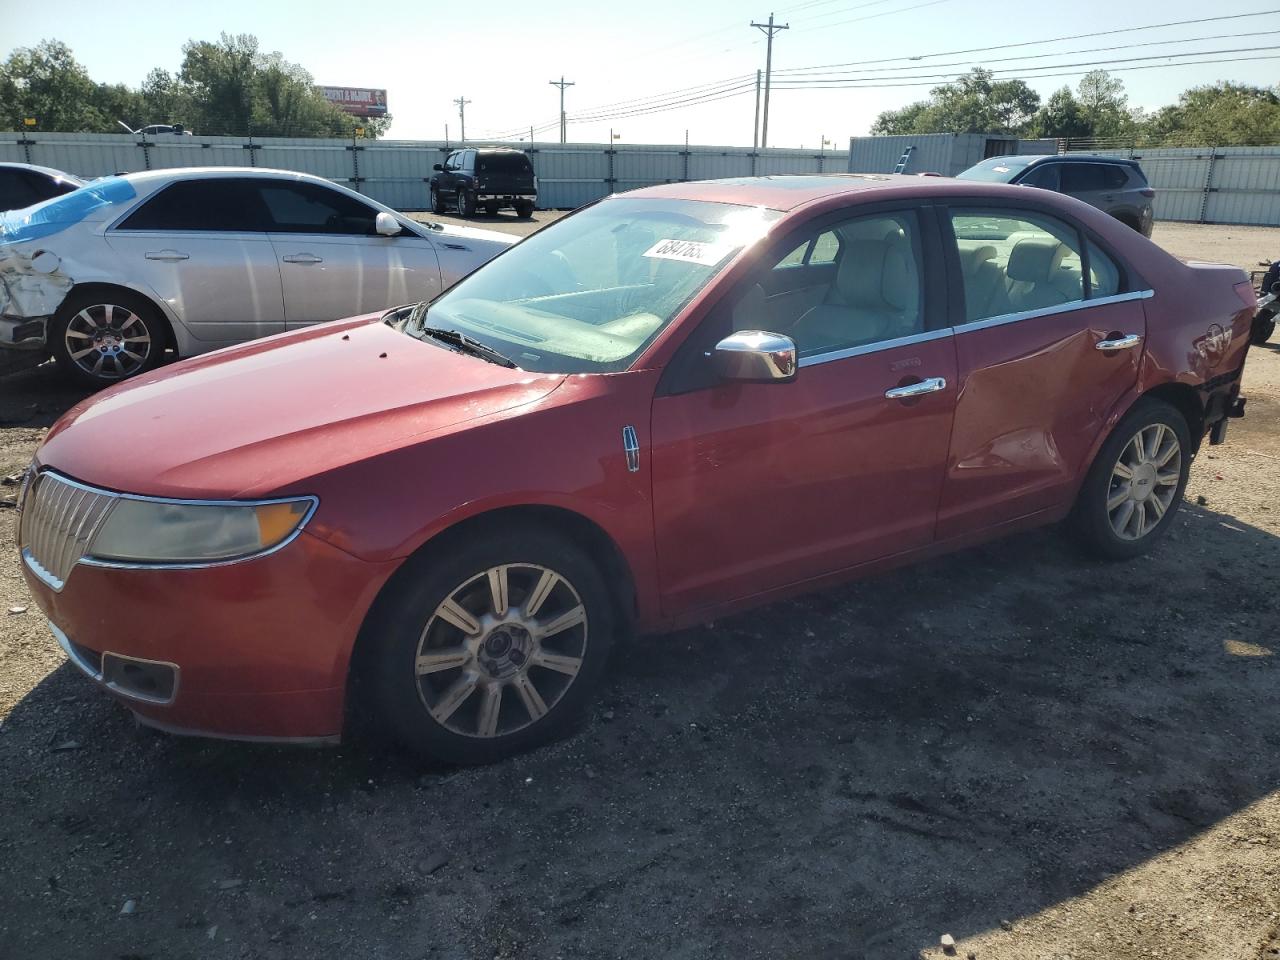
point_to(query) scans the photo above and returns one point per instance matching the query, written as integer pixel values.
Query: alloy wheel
(108, 341)
(1144, 481)
(501, 650)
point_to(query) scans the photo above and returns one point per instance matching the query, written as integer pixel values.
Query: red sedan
(675, 403)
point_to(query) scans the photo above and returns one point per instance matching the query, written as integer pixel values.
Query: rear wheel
(466, 203)
(492, 647)
(491, 209)
(1135, 485)
(1263, 328)
(437, 205)
(524, 209)
(99, 339)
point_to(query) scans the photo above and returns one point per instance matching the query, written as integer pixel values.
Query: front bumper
(257, 650)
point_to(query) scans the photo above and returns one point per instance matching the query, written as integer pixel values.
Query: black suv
(488, 177)
(1113, 185)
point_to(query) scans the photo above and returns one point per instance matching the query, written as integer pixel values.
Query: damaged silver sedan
(111, 277)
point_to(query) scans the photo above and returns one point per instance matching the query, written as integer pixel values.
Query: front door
(200, 246)
(1034, 389)
(761, 485)
(333, 263)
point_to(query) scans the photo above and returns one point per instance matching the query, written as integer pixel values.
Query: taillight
(1148, 193)
(1244, 290)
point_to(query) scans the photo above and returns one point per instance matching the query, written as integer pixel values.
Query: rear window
(504, 163)
(61, 212)
(1081, 177)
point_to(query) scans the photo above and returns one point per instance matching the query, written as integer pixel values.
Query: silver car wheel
(108, 342)
(1144, 481)
(501, 650)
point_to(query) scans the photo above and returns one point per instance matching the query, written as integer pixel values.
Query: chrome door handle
(1120, 343)
(168, 255)
(932, 385)
(302, 258)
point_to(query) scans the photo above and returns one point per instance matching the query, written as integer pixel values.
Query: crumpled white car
(110, 276)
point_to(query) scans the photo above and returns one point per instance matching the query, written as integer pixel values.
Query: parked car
(24, 184)
(493, 178)
(1113, 185)
(670, 405)
(1264, 321)
(108, 277)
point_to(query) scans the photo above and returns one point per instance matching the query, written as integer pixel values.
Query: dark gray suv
(1113, 185)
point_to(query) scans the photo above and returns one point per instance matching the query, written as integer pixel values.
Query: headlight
(153, 531)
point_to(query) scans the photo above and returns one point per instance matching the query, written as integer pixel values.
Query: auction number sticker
(688, 251)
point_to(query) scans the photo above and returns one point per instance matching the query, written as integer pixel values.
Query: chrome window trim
(91, 561)
(876, 347)
(976, 325)
(97, 676)
(1071, 307)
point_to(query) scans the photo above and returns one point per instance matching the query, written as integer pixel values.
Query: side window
(1044, 176)
(1013, 261)
(797, 256)
(875, 293)
(452, 162)
(1083, 177)
(221, 204)
(470, 161)
(310, 208)
(1104, 275)
(1114, 177)
(15, 192)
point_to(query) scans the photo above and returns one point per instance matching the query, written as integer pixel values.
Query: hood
(459, 232)
(260, 418)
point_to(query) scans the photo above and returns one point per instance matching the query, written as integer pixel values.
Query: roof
(60, 174)
(788, 192)
(1070, 158)
(190, 173)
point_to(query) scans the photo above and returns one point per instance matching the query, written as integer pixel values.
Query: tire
(1102, 519)
(466, 203)
(99, 339)
(491, 209)
(1263, 329)
(524, 210)
(437, 205)
(431, 681)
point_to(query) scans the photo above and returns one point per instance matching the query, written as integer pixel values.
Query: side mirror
(386, 225)
(756, 356)
(437, 166)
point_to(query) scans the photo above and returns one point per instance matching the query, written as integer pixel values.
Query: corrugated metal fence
(396, 172)
(1236, 185)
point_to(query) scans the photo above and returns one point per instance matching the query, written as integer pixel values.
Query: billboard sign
(357, 101)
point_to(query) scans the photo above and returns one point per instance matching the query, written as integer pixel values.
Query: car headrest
(972, 259)
(1033, 261)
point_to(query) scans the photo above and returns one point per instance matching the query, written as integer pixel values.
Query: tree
(48, 83)
(1224, 114)
(974, 103)
(1105, 106)
(1061, 116)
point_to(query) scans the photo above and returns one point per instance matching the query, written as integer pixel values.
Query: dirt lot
(1043, 756)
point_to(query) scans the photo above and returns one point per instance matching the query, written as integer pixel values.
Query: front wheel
(490, 647)
(437, 205)
(1263, 328)
(99, 339)
(1135, 485)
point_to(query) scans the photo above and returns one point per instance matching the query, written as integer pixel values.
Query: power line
(873, 16)
(1031, 43)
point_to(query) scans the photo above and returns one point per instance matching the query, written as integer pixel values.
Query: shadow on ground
(842, 776)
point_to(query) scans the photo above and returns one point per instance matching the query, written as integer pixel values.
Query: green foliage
(226, 87)
(1224, 114)
(975, 103)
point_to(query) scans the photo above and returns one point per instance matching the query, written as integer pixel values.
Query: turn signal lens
(277, 520)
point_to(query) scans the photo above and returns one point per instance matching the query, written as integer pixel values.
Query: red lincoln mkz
(674, 403)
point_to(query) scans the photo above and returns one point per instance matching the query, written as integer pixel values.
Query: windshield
(996, 169)
(588, 294)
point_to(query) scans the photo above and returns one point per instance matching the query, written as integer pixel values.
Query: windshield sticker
(1000, 169)
(688, 251)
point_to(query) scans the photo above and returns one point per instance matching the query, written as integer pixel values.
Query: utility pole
(755, 127)
(462, 117)
(768, 29)
(561, 83)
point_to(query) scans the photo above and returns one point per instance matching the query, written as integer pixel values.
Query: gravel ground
(1036, 754)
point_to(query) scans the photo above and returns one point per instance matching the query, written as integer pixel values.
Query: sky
(501, 56)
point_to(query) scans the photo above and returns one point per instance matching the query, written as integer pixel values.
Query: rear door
(332, 262)
(1034, 389)
(1089, 182)
(201, 246)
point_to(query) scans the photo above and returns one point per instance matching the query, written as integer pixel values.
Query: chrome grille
(59, 519)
